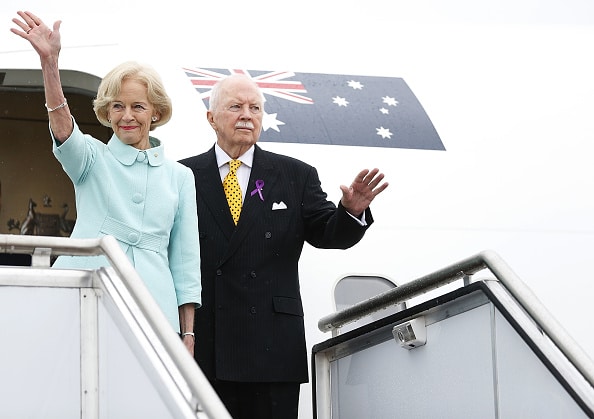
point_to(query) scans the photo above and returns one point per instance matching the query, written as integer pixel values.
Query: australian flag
(334, 109)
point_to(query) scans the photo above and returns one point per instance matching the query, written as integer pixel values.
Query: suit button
(268, 234)
(253, 274)
(219, 272)
(253, 310)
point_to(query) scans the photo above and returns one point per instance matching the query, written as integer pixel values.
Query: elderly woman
(127, 188)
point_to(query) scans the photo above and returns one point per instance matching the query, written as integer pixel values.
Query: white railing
(464, 269)
(168, 349)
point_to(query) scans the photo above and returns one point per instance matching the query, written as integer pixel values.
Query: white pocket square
(278, 206)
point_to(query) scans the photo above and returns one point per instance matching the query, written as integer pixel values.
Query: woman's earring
(154, 118)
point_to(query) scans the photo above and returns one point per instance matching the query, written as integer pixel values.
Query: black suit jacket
(250, 326)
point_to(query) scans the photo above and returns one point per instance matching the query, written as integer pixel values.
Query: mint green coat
(147, 202)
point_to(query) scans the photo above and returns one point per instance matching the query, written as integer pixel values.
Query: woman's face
(130, 114)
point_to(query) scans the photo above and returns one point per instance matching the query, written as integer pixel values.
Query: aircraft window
(353, 289)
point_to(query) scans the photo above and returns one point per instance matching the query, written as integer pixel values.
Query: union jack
(271, 83)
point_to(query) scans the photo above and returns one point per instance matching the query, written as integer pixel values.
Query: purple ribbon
(259, 186)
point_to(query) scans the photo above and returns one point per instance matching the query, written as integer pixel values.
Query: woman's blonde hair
(111, 85)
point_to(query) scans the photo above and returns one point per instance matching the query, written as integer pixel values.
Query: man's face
(237, 120)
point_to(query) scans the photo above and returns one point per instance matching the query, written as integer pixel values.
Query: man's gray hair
(214, 100)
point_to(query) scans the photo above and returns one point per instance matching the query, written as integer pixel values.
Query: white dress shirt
(243, 173)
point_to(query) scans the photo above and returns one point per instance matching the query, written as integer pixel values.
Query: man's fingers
(380, 189)
(361, 176)
(376, 181)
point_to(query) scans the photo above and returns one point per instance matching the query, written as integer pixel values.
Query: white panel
(526, 387)
(40, 353)
(126, 391)
(450, 377)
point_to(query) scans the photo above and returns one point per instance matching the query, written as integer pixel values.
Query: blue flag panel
(334, 109)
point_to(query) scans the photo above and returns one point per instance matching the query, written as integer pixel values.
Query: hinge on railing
(466, 279)
(41, 257)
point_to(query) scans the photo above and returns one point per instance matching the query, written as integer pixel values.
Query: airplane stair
(467, 348)
(90, 343)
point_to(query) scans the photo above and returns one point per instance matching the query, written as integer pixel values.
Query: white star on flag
(340, 101)
(355, 85)
(383, 132)
(269, 121)
(390, 101)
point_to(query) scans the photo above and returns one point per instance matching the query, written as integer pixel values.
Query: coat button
(268, 234)
(253, 274)
(219, 272)
(253, 310)
(133, 238)
(141, 156)
(137, 198)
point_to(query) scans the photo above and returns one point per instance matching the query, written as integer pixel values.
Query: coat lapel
(254, 208)
(210, 192)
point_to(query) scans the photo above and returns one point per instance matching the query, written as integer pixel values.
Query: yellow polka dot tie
(232, 190)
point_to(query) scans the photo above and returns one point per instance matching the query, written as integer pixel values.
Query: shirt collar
(246, 158)
(127, 155)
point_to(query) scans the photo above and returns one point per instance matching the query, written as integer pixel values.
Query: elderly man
(255, 211)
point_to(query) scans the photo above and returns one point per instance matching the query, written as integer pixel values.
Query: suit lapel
(211, 193)
(263, 171)
(254, 208)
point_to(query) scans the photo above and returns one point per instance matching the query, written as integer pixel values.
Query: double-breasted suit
(250, 327)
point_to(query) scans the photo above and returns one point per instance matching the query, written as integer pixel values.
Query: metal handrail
(25, 244)
(109, 247)
(465, 268)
